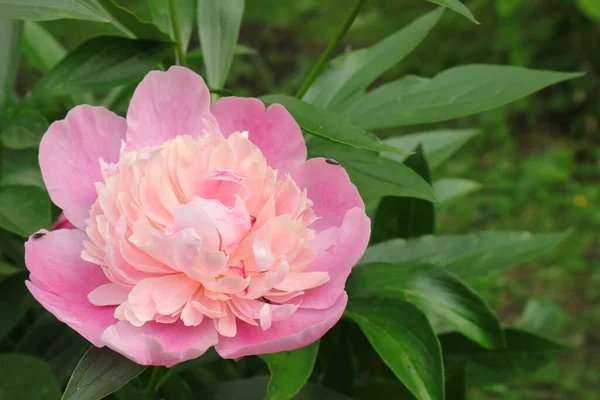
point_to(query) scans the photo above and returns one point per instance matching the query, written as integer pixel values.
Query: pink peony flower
(198, 225)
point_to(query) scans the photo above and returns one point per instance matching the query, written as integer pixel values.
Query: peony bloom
(198, 225)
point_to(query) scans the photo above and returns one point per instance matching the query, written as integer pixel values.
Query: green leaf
(239, 50)
(219, 26)
(24, 132)
(328, 125)
(377, 388)
(290, 371)
(7, 270)
(26, 377)
(524, 353)
(405, 217)
(542, 317)
(470, 256)
(448, 189)
(457, 6)
(22, 174)
(351, 73)
(40, 48)
(454, 93)
(374, 176)
(24, 209)
(101, 63)
(435, 292)
(405, 341)
(591, 8)
(42, 10)
(437, 145)
(128, 20)
(10, 39)
(100, 372)
(15, 300)
(186, 10)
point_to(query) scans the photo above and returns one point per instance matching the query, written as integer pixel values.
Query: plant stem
(177, 30)
(333, 44)
(157, 373)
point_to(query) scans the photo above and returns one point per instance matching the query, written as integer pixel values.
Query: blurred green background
(538, 159)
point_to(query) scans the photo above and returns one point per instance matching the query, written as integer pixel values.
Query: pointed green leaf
(41, 10)
(11, 33)
(353, 72)
(456, 5)
(100, 372)
(40, 48)
(542, 317)
(101, 63)
(161, 15)
(405, 341)
(26, 377)
(290, 371)
(219, 26)
(435, 292)
(454, 93)
(448, 189)
(128, 20)
(24, 209)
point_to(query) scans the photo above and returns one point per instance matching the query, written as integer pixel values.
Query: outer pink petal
(302, 329)
(62, 223)
(337, 258)
(275, 131)
(70, 154)
(60, 280)
(166, 105)
(330, 189)
(161, 344)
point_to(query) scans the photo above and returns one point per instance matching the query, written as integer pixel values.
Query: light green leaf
(374, 176)
(542, 317)
(448, 189)
(161, 15)
(24, 209)
(405, 341)
(7, 270)
(26, 377)
(351, 73)
(290, 371)
(132, 24)
(456, 5)
(239, 50)
(40, 48)
(591, 8)
(15, 300)
(328, 125)
(41, 10)
(454, 93)
(219, 26)
(100, 372)
(101, 63)
(434, 291)
(437, 145)
(24, 132)
(468, 256)
(10, 39)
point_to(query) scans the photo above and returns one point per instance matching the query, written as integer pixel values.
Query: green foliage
(457, 6)
(25, 377)
(40, 10)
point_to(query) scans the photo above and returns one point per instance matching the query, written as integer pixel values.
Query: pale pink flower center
(201, 228)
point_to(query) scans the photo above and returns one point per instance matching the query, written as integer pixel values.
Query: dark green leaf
(25, 174)
(40, 48)
(15, 300)
(374, 176)
(7, 270)
(448, 189)
(186, 10)
(377, 388)
(101, 63)
(219, 26)
(40, 10)
(129, 21)
(435, 292)
(100, 372)
(351, 73)
(27, 378)
(524, 353)
(290, 371)
(24, 209)
(454, 93)
(457, 6)
(437, 145)
(24, 132)
(406, 342)
(469, 256)
(10, 39)
(176, 388)
(542, 317)
(405, 217)
(328, 125)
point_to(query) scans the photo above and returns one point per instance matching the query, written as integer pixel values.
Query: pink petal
(109, 294)
(330, 189)
(303, 328)
(160, 344)
(70, 154)
(166, 105)
(275, 131)
(61, 281)
(62, 223)
(337, 258)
